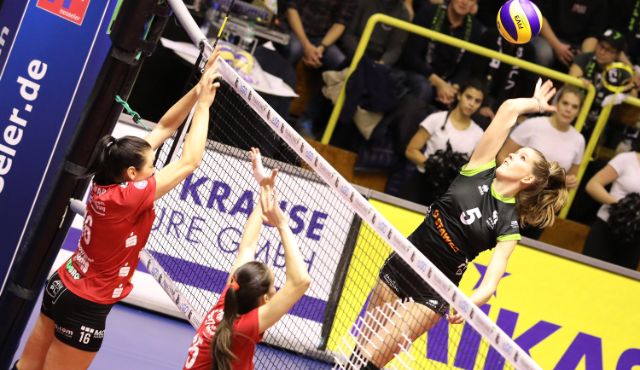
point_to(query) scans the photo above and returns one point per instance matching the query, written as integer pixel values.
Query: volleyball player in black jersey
(482, 209)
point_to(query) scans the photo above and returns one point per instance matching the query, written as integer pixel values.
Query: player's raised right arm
(497, 132)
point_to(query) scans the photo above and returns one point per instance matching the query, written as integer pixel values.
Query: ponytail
(221, 349)
(251, 282)
(539, 203)
(112, 157)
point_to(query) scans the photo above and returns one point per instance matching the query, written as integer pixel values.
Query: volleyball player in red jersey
(80, 294)
(249, 304)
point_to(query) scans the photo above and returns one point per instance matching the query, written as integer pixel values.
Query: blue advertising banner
(50, 54)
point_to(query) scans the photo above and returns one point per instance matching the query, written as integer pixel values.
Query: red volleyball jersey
(243, 345)
(116, 227)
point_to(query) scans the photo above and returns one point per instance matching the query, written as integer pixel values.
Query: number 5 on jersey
(469, 216)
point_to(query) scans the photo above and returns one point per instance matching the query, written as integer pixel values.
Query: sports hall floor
(137, 339)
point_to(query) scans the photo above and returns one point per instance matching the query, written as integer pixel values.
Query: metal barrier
(445, 39)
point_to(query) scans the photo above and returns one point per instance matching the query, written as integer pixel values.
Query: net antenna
(385, 232)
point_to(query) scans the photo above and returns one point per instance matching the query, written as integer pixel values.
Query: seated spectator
(436, 131)
(623, 171)
(316, 27)
(370, 91)
(435, 66)
(554, 137)
(569, 27)
(503, 80)
(385, 44)
(589, 66)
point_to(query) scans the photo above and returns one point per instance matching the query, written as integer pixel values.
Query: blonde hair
(539, 203)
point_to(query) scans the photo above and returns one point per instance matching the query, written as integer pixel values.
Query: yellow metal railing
(439, 37)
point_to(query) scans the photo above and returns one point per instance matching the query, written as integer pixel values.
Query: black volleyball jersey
(469, 218)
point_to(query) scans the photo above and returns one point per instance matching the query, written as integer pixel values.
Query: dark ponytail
(539, 203)
(251, 282)
(112, 157)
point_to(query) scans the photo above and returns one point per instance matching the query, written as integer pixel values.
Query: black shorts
(406, 283)
(79, 323)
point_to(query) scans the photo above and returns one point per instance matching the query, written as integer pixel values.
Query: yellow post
(439, 37)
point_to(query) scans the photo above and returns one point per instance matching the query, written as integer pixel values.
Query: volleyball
(519, 21)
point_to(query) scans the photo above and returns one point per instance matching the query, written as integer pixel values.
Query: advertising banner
(45, 51)
(566, 314)
(223, 201)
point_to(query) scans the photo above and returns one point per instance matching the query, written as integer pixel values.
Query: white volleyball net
(344, 241)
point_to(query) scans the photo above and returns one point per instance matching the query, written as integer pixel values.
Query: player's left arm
(495, 270)
(249, 240)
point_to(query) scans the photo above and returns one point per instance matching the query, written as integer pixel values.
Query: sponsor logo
(444, 234)
(493, 220)
(64, 331)
(72, 270)
(390, 282)
(117, 292)
(91, 332)
(308, 153)
(345, 190)
(82, 259)
(243, 90)
(462, 267)
(482, 189)
(515, 225)
(422, 265)
(131, 241)
(383, 227)
(124, 271)
(55, 287)
(98, 207)
(73, 11)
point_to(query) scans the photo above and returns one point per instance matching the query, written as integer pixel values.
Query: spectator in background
(554, 137)
(623, 171)
(385, 44)
(316, 26)
(414, 6)
(434, 69)
(589, 66)
(436, 131)
(504, 81)
(624, 15)
(569, 27)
